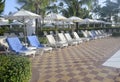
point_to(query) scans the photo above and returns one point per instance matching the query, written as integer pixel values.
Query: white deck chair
(54, 43)
(12, 35)
(21, 34)
(4, 43)
(6, 34)
(69, 38)
(97, 33)
(76, 36)
(62, 38)
(34, 42)
(92, 35)
(86, 34)
(105, 35)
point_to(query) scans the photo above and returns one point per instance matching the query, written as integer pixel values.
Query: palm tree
(37, 6)
(109, 10)
(54, 8)
(74, 8)
(2, 4)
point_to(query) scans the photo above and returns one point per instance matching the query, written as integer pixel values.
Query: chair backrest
(45, 33)
(3, 41)
(62, 37)
(68, 37)
(76, 36)
(21, 34)
(15, 44)
(33, 40)
(85, 33)
(12, 35)
(51, 39)
(62, 31)
(96, 32)
(99, 32)
(51, 32)
(6, 34)
(91, 34)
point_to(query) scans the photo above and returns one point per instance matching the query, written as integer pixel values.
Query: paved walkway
(82, 63)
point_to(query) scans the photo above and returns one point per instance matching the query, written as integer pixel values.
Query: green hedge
(14, 68)
(116, 34)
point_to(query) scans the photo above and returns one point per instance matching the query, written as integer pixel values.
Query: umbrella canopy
(23, 14)
(99, 21)
(3, 22)
(55, 17)
(74, 19)
(16, 23)
(87, 21)
(48, 25)
(108, 23)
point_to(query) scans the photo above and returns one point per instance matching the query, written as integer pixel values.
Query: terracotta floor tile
(81, 63)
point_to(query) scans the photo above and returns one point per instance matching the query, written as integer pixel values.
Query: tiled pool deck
(81, 63)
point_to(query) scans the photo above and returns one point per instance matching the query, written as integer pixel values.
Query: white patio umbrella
(55, 17)
(87, 21)
(22, 16)
(3, 22)
(99, 22)
(74, 19)
(15, 23)
(48, 25)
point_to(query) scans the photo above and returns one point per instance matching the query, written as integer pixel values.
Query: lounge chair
(97, 33)
(6, 34)
(34, 42)
(16, 46)
(102, 33)
(3, 43)
(62, 38)
(92, 35)
(69, 38)
(86, 34)
(12, 35)
(76, 36)
(21, 35)
(105, 33)
(52, 42)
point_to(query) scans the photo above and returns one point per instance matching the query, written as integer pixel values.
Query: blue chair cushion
(15, 44)
(33, 40)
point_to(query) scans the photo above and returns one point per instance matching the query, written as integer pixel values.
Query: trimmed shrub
(116, 34)
(14, 68)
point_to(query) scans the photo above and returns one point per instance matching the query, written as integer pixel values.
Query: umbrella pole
(25, 35)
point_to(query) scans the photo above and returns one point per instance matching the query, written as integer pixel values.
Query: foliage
(3, 30)
(109, 10)
(75, 8)
(2, 4)
(43, 40)
(37, 6)
(116, 34)
(14, 68)
(54, 8)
